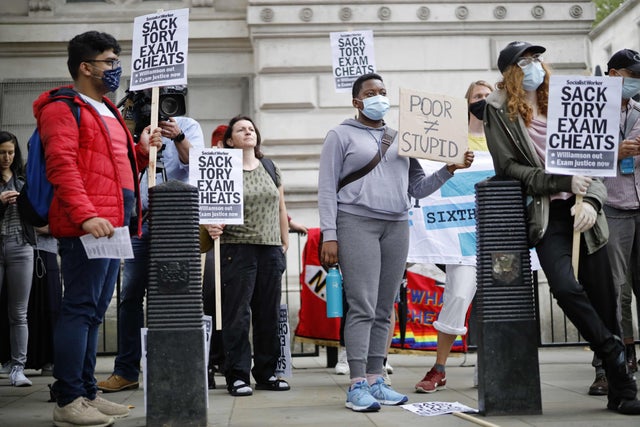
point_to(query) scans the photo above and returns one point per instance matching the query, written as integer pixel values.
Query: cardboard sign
(433, 126)
(159, 49)
(583, 125)
(217, 174)
(353, 56)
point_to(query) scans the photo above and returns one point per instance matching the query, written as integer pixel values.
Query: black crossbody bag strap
(387, 139)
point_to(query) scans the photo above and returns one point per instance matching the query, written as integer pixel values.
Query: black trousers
(590, 302)
(251, 293)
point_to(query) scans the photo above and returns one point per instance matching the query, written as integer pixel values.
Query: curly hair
(517, 104)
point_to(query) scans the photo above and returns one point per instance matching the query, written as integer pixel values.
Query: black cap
(625, 58)
(514, 50)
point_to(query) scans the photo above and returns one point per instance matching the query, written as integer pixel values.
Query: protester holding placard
(623, 201)
(460, 284)
(93, 168)
(365, 219)
(515, 126)
(177, 136)
(252, 261)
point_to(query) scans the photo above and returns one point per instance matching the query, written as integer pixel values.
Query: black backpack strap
(75, 108)
(67, 96)
(387, 139)
(270, 167)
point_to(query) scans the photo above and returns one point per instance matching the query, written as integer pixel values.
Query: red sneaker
(432, 382)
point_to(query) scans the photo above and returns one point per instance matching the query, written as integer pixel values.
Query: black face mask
(477, 108)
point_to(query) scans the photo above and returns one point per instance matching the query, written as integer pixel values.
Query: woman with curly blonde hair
(515, 123)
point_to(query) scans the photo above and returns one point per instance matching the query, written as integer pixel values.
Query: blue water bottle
(333, 286)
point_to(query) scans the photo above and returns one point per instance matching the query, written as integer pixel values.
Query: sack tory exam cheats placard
(583, 125)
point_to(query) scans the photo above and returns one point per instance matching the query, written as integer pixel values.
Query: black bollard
(176, 368)
(508, 371)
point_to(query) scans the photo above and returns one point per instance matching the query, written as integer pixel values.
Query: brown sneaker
(117, 383)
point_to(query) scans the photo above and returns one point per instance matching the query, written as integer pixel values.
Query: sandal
(273, 384)
(240, 388)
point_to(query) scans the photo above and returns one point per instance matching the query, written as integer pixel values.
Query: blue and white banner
(443, 227)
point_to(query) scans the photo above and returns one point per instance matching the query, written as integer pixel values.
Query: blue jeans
(88, 288)
(134, 285)
(16, 268)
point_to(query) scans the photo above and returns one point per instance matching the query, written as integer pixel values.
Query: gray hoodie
(384, 193)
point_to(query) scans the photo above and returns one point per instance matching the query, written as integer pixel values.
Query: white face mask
(533, 76)
(375, 107)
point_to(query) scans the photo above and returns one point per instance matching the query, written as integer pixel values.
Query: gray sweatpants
(372, 255)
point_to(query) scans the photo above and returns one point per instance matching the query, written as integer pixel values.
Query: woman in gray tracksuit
(367, 220)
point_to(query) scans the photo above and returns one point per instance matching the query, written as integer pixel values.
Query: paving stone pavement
(317, 397)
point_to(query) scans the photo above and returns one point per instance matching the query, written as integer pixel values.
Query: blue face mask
(375, 107)
(111, 79)
(533, 76)
(630, 87)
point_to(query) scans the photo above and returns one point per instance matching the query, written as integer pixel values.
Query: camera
(136, 107)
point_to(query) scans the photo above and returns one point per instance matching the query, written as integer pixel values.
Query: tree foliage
(604, 8)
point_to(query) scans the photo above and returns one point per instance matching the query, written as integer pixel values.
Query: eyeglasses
(115, 63)
(526, 60)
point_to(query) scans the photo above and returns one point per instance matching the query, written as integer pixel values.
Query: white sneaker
(79, 413)
(385, 377)
(342, 367)
(5, 370)
(388, 368)
(108, 407)
(17, 377)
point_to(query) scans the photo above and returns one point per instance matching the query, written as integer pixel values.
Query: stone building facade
(271, 59)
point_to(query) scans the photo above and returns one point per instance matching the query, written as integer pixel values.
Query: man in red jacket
(93, 167)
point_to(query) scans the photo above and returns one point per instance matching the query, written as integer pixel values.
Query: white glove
(580, 184)
(586, 217)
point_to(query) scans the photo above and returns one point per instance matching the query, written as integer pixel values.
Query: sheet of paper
(428, 409)
(118, 246)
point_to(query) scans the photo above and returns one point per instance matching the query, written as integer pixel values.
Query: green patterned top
(261, 211)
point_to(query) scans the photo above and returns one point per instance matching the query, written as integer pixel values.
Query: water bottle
(333, 286)
(626, 165)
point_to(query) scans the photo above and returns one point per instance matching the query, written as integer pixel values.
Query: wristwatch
(179, 138)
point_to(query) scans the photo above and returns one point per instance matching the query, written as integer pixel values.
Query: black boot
(623, 389)
(630, 351)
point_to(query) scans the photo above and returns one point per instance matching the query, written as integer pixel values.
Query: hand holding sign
(580, 184)
(582, 134)
(584, 218)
